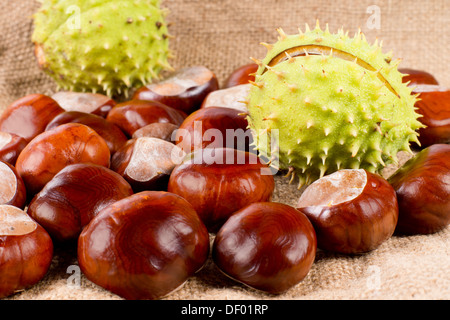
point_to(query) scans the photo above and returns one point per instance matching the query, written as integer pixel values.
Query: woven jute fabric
(222, 35)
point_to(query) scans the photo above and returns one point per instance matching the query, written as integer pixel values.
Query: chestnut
(233, 97)
(434, 108)
(144, 246)
(146, 162)
(11, 145)
(268, 246)
(417, 77)
(352, 210)
(214, 127)
(114, 137)
(54, 149)
(241, 75)
(74, 196)
(220, 181)
(158, 130)
(94, 103)
(184, 90)
(12, 188)
(28, 116)
(423, 191)
(26, 251)
(135, 114)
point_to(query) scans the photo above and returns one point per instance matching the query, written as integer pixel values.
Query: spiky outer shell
(101, 45)
(323, 102)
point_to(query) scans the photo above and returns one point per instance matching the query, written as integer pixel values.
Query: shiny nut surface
(114, 137)
(26, 251)
(28, 116)
(74, 196)
(11, 145)
(417, 77)
(144, 246)
(434, 108)
(135, 114)
(241, 75)
(184, 90)
(267, 246)
(423, 191)
(214, 127)
(353, 211)
(219, 181)
(52, 150)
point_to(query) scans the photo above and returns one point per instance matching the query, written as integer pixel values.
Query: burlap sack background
(222, 35)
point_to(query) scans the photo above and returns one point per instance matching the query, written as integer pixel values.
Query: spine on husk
(330, 102)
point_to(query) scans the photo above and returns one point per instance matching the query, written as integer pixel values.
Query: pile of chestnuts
(142, 186)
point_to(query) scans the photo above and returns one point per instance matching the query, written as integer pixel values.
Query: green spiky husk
(330, 111)
(117, 45)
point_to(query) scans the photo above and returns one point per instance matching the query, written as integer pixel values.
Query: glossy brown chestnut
(158, 130)
(112, 134)
(135, 114)
(74, 196)
(12, 187)
(434, 106)
(144, 246)
(26, 251)
(352, 210)
(146, 163)
(88, 102)
(423, 191)
(11, 145)
(214, 127)
(415, 77)
(233, 97)
(267, 246)
(241, 75)
(53, 150)
(184, 90)
(28, 116)
(220, 181)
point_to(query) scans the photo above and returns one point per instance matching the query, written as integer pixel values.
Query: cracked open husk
(322, 102)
